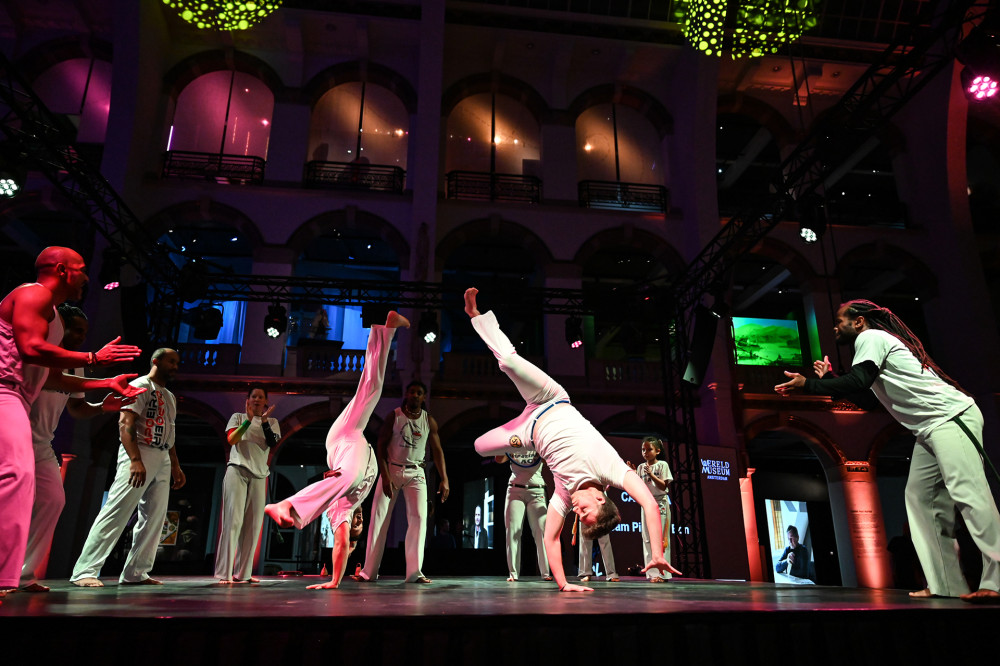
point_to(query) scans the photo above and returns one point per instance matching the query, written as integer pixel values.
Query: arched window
(617, 143)
(359, 121)
(492, 133)
(81, 89)
(224, 112)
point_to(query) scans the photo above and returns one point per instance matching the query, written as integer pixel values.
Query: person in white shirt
(251, 435)
(656, 475)
(50, 497)
(525, 496)
(946, 470)
(582, 462)
(351, 459)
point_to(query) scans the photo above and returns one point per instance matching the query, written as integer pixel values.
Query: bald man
(30, 333)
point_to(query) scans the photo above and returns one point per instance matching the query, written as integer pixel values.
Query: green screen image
(767, 341)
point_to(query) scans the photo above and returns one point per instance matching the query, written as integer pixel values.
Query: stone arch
(346, 219)
(205, 412)
(765, 114)
(358, 71)
(628, 235)
(312, 413)
(500, 83)
(204, 210)
(43, 56)
(488, 228)
(815, 437)
(448, 430)
(189, 69)
(625, 95)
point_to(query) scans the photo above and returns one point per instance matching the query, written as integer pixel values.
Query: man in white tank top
(402, 447)
(29, 334)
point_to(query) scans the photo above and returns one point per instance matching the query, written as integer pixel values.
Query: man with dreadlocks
(946, 470)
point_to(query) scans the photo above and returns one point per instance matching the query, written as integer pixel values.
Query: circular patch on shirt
(515, 441)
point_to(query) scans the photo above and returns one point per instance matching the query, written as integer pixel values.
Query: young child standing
(656, 475)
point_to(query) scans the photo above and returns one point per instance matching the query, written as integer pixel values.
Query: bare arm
(657, 481)
(79, 408)
(553, 550)
(61, 381)
(175, 470)
(438, 454)
(126, 430)
(341, 549)
(640, 493)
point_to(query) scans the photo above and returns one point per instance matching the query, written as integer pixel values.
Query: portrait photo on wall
(477, 514)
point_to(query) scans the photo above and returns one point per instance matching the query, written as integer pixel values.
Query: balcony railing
(624, 374)
(322, 358)
(354, 176)
(481, 186)
(240, 169)
(200, 358)
(610, 195)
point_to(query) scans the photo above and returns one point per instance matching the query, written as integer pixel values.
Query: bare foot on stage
(88, 582)
(281, 513)
(144, 581)
(396, 320)
(470, 302)
(251, 581)
(35, 587)
(982, 596)
(922, 594)
(323, 586)
(225, 581)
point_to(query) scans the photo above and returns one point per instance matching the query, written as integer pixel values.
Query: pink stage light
(982, 88)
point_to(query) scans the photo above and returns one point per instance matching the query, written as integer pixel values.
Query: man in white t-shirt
(50, 498)
(946, 471)
(582, 462)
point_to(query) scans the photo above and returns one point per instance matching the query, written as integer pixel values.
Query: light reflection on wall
(468, 136)
(333, 132)
(72, 87)
(639, 152)
(200, 117)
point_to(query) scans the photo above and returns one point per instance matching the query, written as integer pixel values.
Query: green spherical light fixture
(224, 15)
(748, 28)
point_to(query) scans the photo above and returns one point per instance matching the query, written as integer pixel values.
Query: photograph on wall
(791, 544)
(767, 341)
(477, 514)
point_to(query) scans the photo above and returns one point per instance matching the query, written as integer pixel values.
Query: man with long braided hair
(946, 470)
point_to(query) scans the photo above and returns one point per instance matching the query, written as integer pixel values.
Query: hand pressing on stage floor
(661, 564)
(341, 549)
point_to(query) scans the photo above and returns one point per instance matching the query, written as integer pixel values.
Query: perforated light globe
(225, 15)
(756, 28)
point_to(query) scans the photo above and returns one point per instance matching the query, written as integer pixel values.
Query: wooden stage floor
(487, 620)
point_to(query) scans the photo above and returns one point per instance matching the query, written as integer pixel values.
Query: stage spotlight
(428, 327)
(10, 186)
(812, 218)
(574, 331)
(109, 276)
(978, 88)
(276, 320)
(205, 322)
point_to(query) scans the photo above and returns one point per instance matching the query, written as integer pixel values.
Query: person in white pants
(586, 565)
(582, 462)
(50, 498)
(525, 495)
(251, 435)
(656, 475)
(30, 332)
(147, 463)
(401, 449)
(946, 470)
(352, 462)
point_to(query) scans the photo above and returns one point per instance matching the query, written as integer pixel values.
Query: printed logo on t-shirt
(155, 427)
(515, 441)
(524, 458)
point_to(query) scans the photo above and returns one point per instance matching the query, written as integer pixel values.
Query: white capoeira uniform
(20, 384)
(244, 490)
(662, 470)
(525, 495)
(347, 452)
(586, 566)
(156, 411)
(946, 470)
(574, 450)
(50, 497)
(405, 456)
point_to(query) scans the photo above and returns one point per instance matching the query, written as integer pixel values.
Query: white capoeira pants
(536, 387)
(412, 484)
(647, 551)
(243, 500)
(347, 451)
(151, 500)
(521, 501)
(17, 484)
(50, 498)
(586, 555)
(946, 472)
